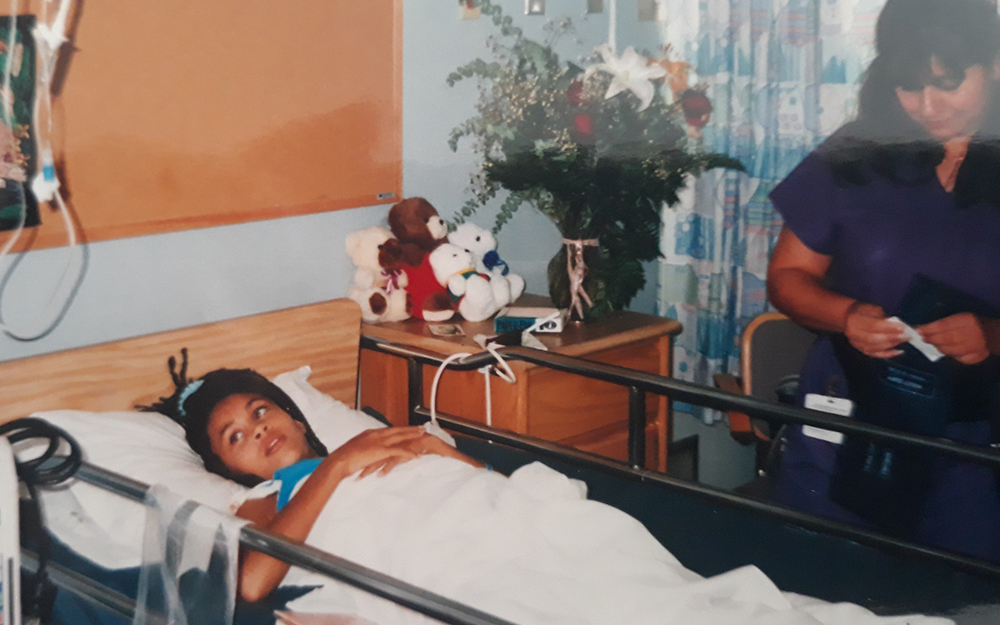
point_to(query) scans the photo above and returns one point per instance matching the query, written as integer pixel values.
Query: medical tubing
(437, 379)
(505, 373)
(489, 396)
(46, 469)
(48, 38)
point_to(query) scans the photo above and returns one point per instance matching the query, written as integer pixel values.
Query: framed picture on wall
(17, 143)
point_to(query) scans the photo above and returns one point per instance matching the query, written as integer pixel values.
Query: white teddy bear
(380, 290)
(483, 245)
(478, 296)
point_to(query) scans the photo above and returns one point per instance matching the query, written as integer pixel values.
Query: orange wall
(184, 114)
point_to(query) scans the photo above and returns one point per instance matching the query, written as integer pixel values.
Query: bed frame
(709, 530)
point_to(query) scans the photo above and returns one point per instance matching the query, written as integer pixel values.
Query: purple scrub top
(879, 236)
(882, 234)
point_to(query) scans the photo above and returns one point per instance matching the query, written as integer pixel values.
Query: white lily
(630, 72)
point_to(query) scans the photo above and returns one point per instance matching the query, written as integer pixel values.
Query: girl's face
(252, 436)
(951, 104)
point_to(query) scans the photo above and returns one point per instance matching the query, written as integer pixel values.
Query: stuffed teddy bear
(478, 298)
(379, 284)
(431, 300)
(482, 245)
(418, 229)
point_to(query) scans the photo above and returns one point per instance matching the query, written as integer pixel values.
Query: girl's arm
(370, 451)
(429, 444)
(796, 286)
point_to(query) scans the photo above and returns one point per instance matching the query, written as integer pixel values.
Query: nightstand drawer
(563, 406)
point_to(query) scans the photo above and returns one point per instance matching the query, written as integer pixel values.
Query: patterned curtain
(781, 75)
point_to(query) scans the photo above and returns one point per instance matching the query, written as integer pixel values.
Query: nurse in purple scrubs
(911, 187)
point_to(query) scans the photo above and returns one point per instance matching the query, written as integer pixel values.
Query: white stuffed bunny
(483, 245)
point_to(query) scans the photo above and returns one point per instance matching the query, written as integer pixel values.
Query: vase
(579, 262)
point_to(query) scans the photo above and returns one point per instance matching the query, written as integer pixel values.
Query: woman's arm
(370, 451)
(796, 286)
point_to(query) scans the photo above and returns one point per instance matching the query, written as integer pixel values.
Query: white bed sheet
(532, 549)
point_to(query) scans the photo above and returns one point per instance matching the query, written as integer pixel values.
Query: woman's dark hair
(193, 401)
(883, 140)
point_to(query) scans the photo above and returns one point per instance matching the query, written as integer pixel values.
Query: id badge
(831, 405)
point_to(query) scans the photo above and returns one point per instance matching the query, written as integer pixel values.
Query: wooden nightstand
(588, 414)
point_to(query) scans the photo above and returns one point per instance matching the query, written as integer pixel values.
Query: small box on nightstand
(519, 318)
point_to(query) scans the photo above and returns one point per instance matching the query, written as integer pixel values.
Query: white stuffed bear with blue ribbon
(483, 246)
(476, 295)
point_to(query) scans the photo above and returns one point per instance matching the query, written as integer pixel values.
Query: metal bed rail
(436, 606)
(639, 382)
(85, 588)
(294, 553)
(587, 460)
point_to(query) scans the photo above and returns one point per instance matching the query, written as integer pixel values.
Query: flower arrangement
(597, 149)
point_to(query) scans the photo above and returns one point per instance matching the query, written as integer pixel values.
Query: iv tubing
(48, 39)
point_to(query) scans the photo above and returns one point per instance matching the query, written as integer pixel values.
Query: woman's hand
(871, 333)
(960, 336)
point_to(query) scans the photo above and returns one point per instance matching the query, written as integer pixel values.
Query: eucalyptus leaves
(593, 148)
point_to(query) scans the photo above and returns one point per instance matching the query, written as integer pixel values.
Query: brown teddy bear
(419, 230)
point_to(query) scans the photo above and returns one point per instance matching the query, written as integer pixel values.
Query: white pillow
(151, 448)
(332, 421)
(145, 446)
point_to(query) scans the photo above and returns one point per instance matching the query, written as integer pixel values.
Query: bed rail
(296, 554)
(86, 588)
(639, 382)
(588, 460)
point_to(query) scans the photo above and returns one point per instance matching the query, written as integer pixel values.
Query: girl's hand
(430, 444)
(960, 336)
(871, 333)
(370, 451)
(374, 450)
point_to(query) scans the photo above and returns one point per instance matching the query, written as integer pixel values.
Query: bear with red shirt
(419, 230)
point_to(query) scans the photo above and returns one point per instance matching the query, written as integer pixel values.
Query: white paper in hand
(913, 338)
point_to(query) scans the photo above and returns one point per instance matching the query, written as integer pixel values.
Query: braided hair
(193, 401)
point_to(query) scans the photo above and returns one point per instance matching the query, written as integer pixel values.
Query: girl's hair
(883, 140)
(193, 401)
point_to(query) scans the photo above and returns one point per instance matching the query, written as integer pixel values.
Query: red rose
(697, 107)
(575, 93)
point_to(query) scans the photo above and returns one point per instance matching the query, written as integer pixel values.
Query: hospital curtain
(781, 76)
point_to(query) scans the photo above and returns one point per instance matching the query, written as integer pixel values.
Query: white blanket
(532, 549)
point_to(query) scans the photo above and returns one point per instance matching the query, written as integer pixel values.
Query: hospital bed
(709, 530)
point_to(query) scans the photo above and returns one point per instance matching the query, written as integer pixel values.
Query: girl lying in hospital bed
(529, 548)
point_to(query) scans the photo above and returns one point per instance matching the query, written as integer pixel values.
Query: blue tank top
(290, 477)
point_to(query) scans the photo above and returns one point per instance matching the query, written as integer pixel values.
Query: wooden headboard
(120, 374)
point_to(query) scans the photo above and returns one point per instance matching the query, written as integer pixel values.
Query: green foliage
(597, 166)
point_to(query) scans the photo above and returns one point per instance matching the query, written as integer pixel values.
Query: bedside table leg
(636, 427)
